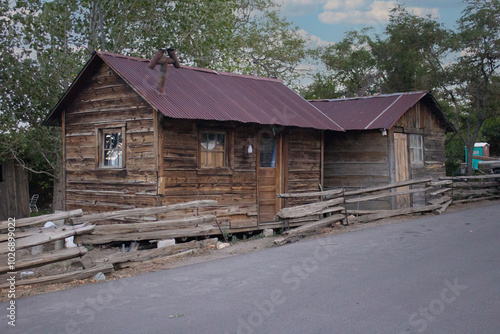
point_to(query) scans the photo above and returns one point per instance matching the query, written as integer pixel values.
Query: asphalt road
(433, 275)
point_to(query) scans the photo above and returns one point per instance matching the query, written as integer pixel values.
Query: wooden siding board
(107, 101)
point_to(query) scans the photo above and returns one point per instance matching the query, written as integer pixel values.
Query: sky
(327, 21)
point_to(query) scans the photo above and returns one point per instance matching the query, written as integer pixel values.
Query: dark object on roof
(378, 111)
(195, 93)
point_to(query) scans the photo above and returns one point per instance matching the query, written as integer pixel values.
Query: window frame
(100, 131)
(228, 151)
(416, 149)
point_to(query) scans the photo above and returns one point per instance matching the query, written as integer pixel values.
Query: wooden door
(402, 167)
(269, 175)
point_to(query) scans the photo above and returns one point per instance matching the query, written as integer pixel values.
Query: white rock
(221, 245)
(68, 242)
(49, 224)
(26, 274)
(268, 232)
(166, 242)
(100, 276)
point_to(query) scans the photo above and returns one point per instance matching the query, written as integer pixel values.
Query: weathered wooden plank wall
(302, 162)
(106, 100)
(14, 194)
(419, 120)
(357, 159)
(181, 179)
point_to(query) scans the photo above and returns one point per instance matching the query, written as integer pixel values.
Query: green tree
(418, 53)
(473, 90)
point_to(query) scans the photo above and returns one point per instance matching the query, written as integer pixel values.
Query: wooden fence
(142, 224)
(98, 229)
(330, 206)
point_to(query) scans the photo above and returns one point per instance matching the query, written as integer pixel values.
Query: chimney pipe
(171, 54)
(158, 59)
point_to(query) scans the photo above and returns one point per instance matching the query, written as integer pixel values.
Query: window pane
(416, 148)
(267, 151)
(220, 159)
(112, 149)
(220, 142)
(211, 159)
(204, 140)
(211, 141)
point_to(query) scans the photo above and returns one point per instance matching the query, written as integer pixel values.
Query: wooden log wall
(357, 159)
(235, 187)
(106, 101)
(302, 161)
(419, 120)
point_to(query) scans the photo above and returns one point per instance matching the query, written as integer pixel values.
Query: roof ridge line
(396, 100)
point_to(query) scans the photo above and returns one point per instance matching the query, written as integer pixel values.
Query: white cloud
(339, 4)
(315, 41)
(420, 11)
(299, 7)
(359, 12)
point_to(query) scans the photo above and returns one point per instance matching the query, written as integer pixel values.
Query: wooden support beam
(42, 219)
(151, 253)
(45, 238)
(363, 212)
(134, 264)
(330, 193)
(439, 183)
(153, 226)
(145, 211)
(476, 199)
(372, 197)
(307, 209)
(45, 258)
(444, 207)
(440, 200)
(62, 278)
(200, 230)
(440, 191)
(472, 177)
(393, 213)
(387, 186)
(288, 235)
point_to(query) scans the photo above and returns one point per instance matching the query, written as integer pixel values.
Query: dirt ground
(250, 243)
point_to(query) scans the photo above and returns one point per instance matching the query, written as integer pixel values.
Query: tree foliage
(419, 53)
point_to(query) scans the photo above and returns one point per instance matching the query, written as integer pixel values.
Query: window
(213, 149)
(267, 150)
(111, 147)
(416, 149)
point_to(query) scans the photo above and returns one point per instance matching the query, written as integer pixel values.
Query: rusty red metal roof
(195, 93)
(378, 111)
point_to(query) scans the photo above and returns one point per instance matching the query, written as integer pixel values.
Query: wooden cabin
(233, 138)
(14, 195)
(389, 138)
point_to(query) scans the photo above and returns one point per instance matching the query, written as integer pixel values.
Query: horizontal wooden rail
(145, 211)
(372, 197)
(42, 219)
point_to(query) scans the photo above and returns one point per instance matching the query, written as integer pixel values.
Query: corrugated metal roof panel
(194, 93)
(369, 112)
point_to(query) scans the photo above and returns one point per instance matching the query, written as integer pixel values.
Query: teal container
(477, 151)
